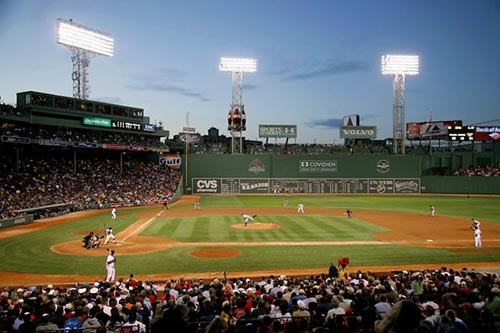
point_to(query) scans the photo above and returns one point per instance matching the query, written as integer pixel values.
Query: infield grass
(30, 253)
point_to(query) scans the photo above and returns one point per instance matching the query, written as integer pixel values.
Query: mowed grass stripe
(31, 252)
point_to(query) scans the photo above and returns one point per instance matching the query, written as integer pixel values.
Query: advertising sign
(84, 144)
(487, 133)
(254, 185)
(96, 121)
(113, 146)
(173, 161)
(148, 128)
(317, 166)
(430, 129)
(358, 132)
(194, 138)
(381, 186)
(15, 139)
(207, 185)
(277, 131)
(126, 125)
(351, 120)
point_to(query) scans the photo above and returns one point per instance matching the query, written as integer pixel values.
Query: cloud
(165, 87)
(159, 82)
(328, 69)
(326, 123)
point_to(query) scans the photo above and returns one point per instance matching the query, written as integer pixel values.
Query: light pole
(237, 116)
(83, 42)
(399, 66)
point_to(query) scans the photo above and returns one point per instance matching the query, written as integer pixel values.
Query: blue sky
(318, 60)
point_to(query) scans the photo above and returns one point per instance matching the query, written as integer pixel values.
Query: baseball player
(110, 266)
(300, 209)
(196, 205)
(285, 203)
(113, 213)
(432, 210)
(474, 224)
(247, 218)
(165, 204)
(477, 238)
(349, 213)
(109, 235)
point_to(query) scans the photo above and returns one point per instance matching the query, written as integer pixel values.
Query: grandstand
(66, 161)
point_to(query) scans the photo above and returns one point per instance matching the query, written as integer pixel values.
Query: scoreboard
(461, 133)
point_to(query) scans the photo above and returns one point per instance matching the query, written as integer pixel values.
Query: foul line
(143, 226)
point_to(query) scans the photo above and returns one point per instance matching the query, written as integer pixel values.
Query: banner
(54, 143)
(148, 128)
(138, 148)
(173, 161)
(113, 146)
(84, 144)
(15, 139)
(430, 129)
(358, 132)
(487, 133)
(96, 121)
(277, 131)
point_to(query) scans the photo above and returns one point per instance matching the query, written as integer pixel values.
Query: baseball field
(385, 233)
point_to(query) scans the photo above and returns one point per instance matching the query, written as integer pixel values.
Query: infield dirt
(437, 231)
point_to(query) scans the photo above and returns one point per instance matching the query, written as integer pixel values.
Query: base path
(407, 229)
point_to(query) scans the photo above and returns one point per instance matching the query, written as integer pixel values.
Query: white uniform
(113, 213)
(477, 238)
(300, 210)
(109, 235)
(247, 218)
(110, 267)
(475, 224)
(432, 210)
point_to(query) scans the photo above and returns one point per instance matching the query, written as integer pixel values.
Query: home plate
(430, 240)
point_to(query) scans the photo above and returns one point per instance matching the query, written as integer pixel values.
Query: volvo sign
(358, 132)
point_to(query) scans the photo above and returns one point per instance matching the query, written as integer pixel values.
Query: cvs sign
(206, 185)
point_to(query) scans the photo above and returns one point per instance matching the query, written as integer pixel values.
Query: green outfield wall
(371, 174)
(459, 185)
(241, 174)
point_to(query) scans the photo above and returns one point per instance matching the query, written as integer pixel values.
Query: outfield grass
(31, 253)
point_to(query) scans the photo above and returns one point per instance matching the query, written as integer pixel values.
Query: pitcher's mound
(257, 226)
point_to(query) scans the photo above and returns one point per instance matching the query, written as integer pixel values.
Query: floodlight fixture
(241, 65)
(76, 35)
(83, 42)
(393, 64)
(399, 66)
(237, 115)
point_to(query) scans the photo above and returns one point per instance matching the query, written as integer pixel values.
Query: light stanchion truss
(84, 43)
(237, 114)
(398, 66)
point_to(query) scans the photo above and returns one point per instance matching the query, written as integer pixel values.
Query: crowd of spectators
(482, 171)
(9, 110)
(92, 183)
(430, 301)
(70, 135)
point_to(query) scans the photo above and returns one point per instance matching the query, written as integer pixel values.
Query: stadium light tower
(237, 116)
(399, 66)
(83, 42)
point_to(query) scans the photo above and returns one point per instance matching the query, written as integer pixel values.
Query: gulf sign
(173, 161)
